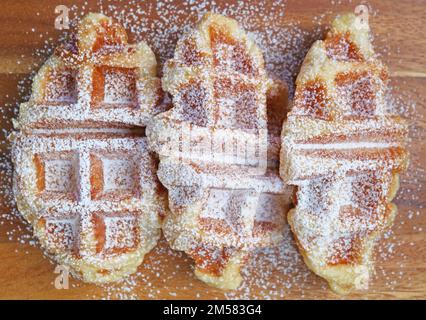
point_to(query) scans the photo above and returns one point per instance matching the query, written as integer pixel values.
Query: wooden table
(399, 28)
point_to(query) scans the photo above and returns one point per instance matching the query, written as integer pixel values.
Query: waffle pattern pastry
(84, 177)
(225, 194)
(344, 151)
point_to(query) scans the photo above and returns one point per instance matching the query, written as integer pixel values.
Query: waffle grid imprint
(218, 148)
(84, 177)
(343, 151)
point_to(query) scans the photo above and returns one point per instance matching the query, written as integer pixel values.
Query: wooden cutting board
(27, 27)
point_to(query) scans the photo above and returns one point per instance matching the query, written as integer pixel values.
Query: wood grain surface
(399, 28)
